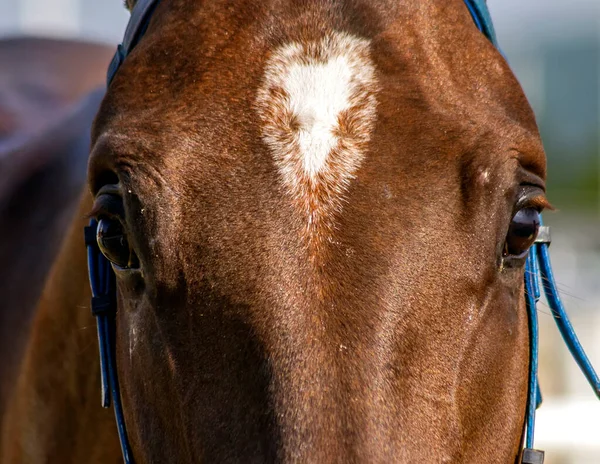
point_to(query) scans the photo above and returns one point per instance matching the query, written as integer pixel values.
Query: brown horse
(45, 118)
(315, 263)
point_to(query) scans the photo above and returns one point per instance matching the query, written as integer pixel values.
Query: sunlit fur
(322, 296)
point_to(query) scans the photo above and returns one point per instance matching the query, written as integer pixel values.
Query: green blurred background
(554, 49)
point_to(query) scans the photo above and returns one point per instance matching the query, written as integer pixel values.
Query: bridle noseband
(537, 269)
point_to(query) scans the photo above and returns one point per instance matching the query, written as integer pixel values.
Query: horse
(50, 91)
(314, 219)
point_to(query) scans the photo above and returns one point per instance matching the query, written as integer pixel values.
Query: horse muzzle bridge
(538, 270)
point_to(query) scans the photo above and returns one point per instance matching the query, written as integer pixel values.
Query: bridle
(537, 269)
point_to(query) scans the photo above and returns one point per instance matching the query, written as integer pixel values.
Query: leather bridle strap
(537, 268)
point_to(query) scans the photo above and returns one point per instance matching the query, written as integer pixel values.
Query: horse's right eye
(522, 232)
(112, 241)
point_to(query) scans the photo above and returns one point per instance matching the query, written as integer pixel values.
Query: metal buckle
(532, 456)
(543, 235)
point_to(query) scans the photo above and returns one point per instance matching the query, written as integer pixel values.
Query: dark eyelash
(107, 205)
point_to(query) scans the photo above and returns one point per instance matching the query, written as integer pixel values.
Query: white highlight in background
(50, 17)
(567, 424)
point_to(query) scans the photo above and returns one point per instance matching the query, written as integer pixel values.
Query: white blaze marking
(318, 93)
(317, 106)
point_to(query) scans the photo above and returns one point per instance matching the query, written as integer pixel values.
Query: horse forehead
(298, 91)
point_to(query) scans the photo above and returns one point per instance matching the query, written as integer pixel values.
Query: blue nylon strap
(104, 308)
(562, 319)
(482, 19)
(537, 293)
(534, 273)
(94, 259)
(531, 299)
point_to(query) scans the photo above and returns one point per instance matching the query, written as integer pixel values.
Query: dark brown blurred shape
(49, 93)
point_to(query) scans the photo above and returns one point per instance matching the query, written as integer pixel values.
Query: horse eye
(522, 232)
(112, 241)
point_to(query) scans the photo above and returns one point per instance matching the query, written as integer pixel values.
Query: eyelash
(108, 205)
(532, 196)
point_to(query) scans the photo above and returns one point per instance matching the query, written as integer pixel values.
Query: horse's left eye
(112, 241)
(522, 232)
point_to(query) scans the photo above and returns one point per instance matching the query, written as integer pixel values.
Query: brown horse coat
(310, 288)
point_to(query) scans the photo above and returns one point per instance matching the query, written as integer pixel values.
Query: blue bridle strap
(562, 319)
(532, 295)
(104, 308)
(482, 19)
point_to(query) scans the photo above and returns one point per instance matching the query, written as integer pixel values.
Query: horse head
(318, 215)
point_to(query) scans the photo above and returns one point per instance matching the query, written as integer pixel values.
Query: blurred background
(553, 47)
